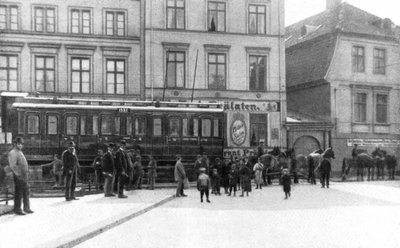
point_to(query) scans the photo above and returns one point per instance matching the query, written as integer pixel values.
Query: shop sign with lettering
(374, 142)
(252, 106)
(238, 130)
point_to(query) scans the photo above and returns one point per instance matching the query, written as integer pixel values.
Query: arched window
(174, 127)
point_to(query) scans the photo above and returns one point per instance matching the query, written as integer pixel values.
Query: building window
(80, 21)
(44, 74)
(381, 108)
(8, 17)
(379, 61)
(8, 72)
(358, 59)
(80, 75)
(45, 19)
(174, 127)
(52, 124)
(72, 125)
(115, 76)
(33, 124)
(157, 127)
(175, 69)
(216, 71)
(360, 107)
(258, 128)
(257, 17)
(176, 14)
(115, 23)
(257, 72)
(140, 126)
(216, 16)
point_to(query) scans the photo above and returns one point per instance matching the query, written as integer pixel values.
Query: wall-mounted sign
(238, 130)
(374, 142)
(253, 106)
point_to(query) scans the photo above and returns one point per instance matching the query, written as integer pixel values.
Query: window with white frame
(115, 76)
(176, 14)
(257, 19)
(257, 72)
(216, 16)
(176, 69)
(80, 75)
(45, 19)
(8, 72)
(9, 17)
(381, 108)
(379, 61)
(217, 71)
(360, 107)
(80, 21)
(45, 73)
(358, 60)
(115, 23)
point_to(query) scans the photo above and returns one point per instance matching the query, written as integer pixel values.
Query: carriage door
(71, 130)
(52, 134)
(206, 133)
(174, 135)
(33, 139)
(140, 140)
(156, 133)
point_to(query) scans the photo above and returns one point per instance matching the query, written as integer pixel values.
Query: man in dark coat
(180, 175)
(19, 168)
(98, 169)
(71, 166)
(325, 168)
(108, 170)
(121, 166)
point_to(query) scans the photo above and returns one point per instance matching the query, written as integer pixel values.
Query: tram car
(161, 129)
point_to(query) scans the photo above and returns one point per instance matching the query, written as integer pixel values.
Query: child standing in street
(215, 182)
(286, 182)
(203, 184)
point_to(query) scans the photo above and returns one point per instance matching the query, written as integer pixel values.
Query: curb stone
(89, 232)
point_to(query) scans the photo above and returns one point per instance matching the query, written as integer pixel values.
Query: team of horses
(307, 166)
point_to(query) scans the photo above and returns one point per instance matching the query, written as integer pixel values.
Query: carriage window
(117, 122)
(206, 128)
(33, 124)
(83, 125)
(95, 127)
(106, 123)
(174, 127)
(195, 127)
(72, 125)
(216, 128)
(20, 122)
(52, 124)
(185, 127)
(128, 125)
(157, 127)
(140, 124)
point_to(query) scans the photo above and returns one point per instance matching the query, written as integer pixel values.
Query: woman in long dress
(245, 178)
(258, 169)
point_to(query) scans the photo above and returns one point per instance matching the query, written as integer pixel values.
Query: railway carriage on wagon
(162, 129)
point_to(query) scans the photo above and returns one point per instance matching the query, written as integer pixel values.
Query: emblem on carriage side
(238, 129)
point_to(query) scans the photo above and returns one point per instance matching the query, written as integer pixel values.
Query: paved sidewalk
(58, 223)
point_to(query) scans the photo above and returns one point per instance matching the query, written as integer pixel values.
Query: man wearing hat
(71, 166)
(108, 170)
(19, 168)
(180, 176)
(121, 166)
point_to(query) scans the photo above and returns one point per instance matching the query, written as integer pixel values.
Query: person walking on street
(233, 179)
(19, 167)
(98, 169)
(180, 176)
(71, 166)
(245, 178)
(325, 168)
(139, 172)
(108, 170)
(152, 173)
(121, 166)
(286, 182)
(258, 169)
(203, 185)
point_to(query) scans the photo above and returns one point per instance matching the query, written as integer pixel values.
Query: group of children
(237, 178)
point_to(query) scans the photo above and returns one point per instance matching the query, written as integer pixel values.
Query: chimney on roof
(331, 4)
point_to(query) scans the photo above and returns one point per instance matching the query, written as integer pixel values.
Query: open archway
(306, 144)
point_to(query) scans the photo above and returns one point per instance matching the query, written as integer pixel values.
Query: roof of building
(310, 43)
(344, 18)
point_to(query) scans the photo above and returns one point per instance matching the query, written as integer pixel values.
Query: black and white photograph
(199, 123)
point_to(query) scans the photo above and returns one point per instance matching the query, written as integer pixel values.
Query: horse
(314, 159)
(363, 160)
(391, 163)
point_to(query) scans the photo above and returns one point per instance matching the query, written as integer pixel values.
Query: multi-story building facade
(221, 51)
(74, 48)
(342, 67)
